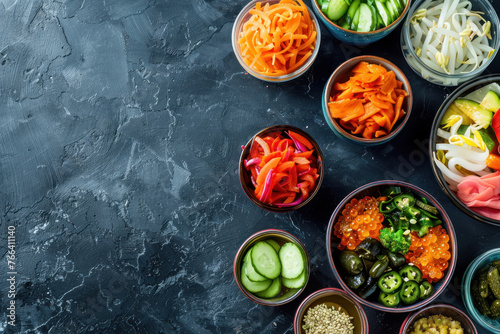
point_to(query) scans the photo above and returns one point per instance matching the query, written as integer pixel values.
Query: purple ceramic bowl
(446, 310)
(333, 297)
(373, 189)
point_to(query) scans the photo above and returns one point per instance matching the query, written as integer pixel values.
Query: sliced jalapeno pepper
(389, 299)
(379, 267)
(411, 273)
(391, 191)
(426, 207)
(390, 282)
(410, 292)
(387, 206)
(426, 290)
(412, 214)
(351, 262)
(404, 200)
(422, 226)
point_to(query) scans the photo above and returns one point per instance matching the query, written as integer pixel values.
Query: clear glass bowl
(463, 90)
(354, 37)
(481, 261)
(444, 309)
(244, 174)
(332, 297)
(242, 17)
(440, 78)
(373, 189)
(280, 237)
(342, 74)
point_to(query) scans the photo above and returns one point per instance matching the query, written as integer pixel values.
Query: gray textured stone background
(120, 134)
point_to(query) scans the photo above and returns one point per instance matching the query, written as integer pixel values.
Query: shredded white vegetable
(450, 38)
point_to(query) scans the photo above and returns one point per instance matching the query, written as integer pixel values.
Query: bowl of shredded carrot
(281, 168)
(367, 100)
(374, 222)
(276, 40)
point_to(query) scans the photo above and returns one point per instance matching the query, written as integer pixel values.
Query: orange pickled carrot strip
(285, 166)
(265, 170)
(346, 109)
(303, 140)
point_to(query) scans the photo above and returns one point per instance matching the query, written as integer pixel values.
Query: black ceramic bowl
(374, 189)
(448, 185)
(246, 177)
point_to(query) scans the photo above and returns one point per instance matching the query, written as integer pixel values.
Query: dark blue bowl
(354, 37)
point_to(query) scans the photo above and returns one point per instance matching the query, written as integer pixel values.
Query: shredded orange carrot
(278, 39)
(370, 103)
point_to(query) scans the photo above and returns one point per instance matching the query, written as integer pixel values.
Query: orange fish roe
(360, 219)
(430, 253)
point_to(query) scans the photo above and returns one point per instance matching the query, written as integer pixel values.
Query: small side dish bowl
(280, 237)
(341, 75)
(298, 64)
(439, 309)
(354, 37)
(375, 190)
(472, 270)
(332, 298)
(317, 168)
(431, 71)
(467, 91)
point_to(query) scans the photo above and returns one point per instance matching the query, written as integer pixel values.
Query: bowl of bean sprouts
(449, 42)
(464, 149)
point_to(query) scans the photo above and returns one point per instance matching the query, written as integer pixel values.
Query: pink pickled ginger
(481, 194)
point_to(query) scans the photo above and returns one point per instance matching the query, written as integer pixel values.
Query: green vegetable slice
(265, 260)
(292, 261)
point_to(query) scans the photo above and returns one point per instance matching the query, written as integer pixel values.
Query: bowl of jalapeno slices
(391, 246)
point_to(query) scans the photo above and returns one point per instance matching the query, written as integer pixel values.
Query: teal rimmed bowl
(477, 264)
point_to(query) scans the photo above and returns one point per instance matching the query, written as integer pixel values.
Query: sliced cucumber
(251, 273)
(292, 260)
(392, 10)
(295, 283)
(324, 6)
(380, 22)
(383, 12)
(336, 9)
(342, 22)
(396, 4)
(251, 286)
(265, 260)
(367, 18)
(351, 11)
(273, 243)
(273, 290)
(355, 20)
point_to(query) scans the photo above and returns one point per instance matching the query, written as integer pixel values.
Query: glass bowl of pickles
(481, 290)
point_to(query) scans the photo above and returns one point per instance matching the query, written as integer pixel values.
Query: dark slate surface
(120, 137)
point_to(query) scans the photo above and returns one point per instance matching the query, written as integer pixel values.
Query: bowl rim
(360, 33)
(239, 256)
(413, 316)
(321, 168)
(269, 78)
(446, 222)
(405, 36)
(334, 123)
(484, 80)
(465, 290)
(359, 308)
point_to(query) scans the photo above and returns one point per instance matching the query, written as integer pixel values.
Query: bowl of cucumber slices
(271, 267)
(360, 22)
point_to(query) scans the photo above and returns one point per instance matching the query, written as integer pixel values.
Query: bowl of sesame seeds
(330, 310)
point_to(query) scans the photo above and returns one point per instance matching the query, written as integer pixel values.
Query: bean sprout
(450, 38)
